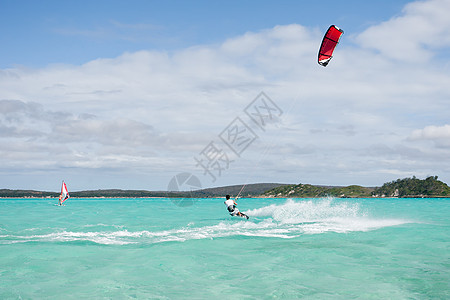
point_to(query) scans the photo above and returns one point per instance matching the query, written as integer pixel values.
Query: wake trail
(286, 220)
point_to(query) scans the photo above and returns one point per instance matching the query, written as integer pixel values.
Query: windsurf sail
(64, 193)
(329, 42)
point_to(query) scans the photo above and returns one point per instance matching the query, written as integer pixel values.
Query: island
(429, 187)
(413, 187)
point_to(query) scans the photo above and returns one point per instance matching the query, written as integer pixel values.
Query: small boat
(64, 193)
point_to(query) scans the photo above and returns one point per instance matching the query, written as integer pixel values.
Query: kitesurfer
(232, 209)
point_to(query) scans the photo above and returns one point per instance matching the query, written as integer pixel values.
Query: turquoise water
(289, 249)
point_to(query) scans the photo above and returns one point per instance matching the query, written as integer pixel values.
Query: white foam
(306, 211)
(106, 238)
(324, 215)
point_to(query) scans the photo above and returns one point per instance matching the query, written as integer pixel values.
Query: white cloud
(432, 132)
(151, 112)
(414, 36)
(440, 135)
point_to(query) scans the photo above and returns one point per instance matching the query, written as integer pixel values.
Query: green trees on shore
(414, 187)
(313, 191)
(407, 187)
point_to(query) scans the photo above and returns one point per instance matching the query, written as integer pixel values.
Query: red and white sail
(64, 193)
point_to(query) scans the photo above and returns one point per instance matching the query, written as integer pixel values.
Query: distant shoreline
(218, 197)
(413, 187)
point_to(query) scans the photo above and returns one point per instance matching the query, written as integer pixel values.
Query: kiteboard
(242, 216)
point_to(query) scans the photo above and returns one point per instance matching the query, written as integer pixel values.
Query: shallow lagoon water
(290, 248)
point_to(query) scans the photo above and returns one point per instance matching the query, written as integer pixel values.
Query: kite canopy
(329, 42)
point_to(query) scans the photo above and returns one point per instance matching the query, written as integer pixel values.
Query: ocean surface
(192, 249)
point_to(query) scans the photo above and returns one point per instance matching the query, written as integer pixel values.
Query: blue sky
(38, 33)
(128, 94)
